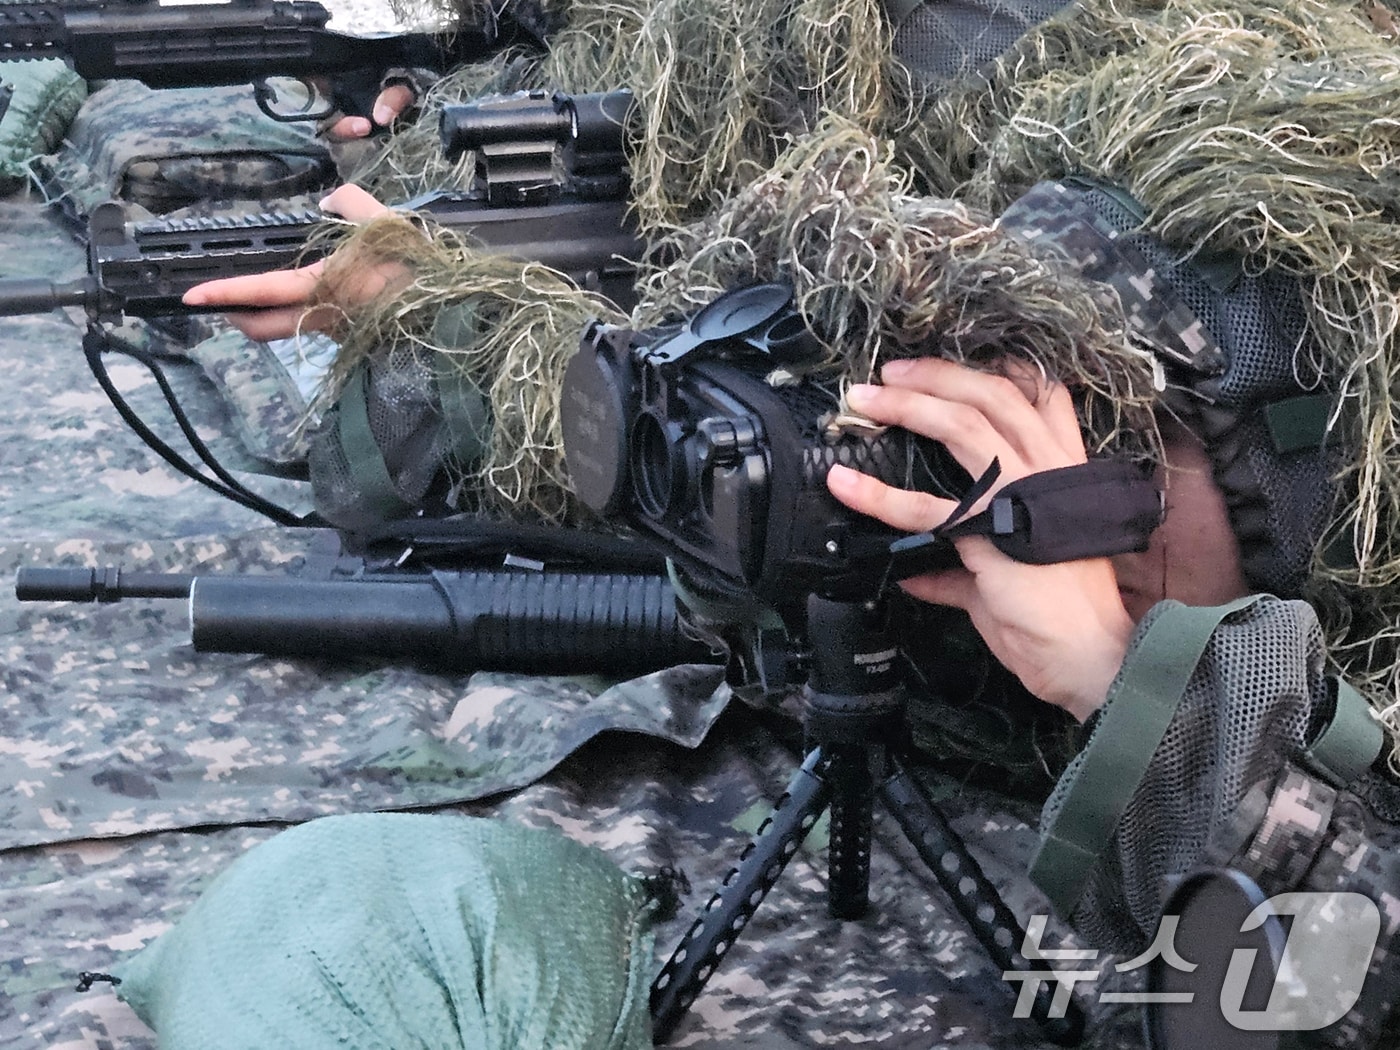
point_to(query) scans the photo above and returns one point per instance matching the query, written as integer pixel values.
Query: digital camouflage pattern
(44, 96)
(160, 152)
(136, 769)
(1281, 850)
(268, 409)
(1056, 217)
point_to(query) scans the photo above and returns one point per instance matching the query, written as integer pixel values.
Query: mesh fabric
(1279, 502)
(406, 425)
(940, 42)
(1221, 741)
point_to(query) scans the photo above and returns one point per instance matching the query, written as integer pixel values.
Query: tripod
(855, 711)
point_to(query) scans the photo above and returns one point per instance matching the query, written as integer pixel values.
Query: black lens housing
(681, 435)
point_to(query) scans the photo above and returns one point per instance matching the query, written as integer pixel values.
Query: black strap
(95, 342)
(1091, 510)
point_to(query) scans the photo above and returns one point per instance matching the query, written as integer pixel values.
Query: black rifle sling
(95, 342)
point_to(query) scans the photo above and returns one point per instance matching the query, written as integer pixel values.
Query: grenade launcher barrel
(502, 620)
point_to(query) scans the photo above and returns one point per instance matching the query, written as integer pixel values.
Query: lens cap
(595, 417)
(1186, 1011)
(733, 314)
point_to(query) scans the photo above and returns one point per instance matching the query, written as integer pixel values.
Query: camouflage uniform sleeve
(1231, 778)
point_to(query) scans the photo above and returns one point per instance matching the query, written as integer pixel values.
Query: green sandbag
(405, 930)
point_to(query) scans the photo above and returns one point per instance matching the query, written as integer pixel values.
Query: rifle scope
(590, 124)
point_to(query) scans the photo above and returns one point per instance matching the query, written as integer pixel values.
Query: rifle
(243, 41)
(505, 619)
(579, 226)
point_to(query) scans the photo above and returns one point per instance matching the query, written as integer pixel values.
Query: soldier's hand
(277, 302)
(392, 103)
(1062, 629)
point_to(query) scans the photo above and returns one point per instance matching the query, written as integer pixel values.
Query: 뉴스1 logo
(1294, 962)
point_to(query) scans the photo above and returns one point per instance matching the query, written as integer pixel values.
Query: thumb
(953, 587)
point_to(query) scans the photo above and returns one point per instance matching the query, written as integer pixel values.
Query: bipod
(853, 728)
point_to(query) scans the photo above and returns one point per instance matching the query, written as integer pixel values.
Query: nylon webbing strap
(1350, 742)
(465, 412)
(1298, 423)
(1118, 754)
(362, 456)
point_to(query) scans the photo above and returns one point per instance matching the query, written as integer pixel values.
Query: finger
(964, 430)
(347, 128)
(352, 203)
(391, 104)
(898, 508)
(266, 325)
(284, 322)
(274, 288)
(1056, 408)
(1000, 399)
(952, 587)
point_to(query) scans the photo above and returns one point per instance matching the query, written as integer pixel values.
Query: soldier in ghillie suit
(1194, 262)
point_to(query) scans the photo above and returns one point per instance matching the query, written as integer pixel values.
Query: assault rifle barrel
(506, 620)
(142, 269)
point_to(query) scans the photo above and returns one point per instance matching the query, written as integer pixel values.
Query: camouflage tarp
(135, 769)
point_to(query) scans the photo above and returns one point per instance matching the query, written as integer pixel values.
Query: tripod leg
(852, 813)
(976, 899)
(729, 910)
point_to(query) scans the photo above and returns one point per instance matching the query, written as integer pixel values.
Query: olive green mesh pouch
(405, 930)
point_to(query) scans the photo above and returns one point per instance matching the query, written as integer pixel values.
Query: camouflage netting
(1263, 129)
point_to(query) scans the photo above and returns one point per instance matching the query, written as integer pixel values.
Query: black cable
(95, 341)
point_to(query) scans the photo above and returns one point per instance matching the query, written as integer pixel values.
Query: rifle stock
(507, 620)
(242, 41)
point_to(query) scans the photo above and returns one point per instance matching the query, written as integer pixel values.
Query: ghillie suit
(878, 273)
(720, 85)
(750, 75)
(723, 90)
(1262, 133)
